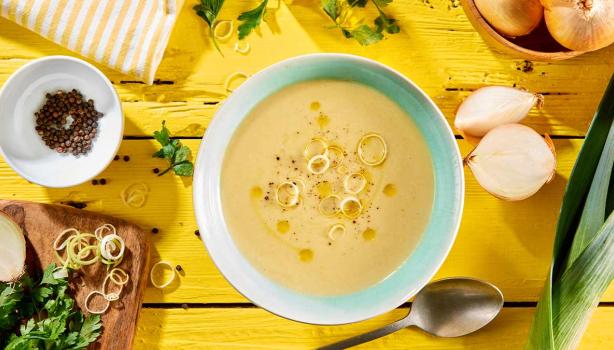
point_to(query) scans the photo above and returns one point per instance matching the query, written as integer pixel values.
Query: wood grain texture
(507, 243)
(42, 223)
(437, 48)
(245, 329)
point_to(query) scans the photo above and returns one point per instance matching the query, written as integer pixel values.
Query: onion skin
(512, 162)
(12, 258)
(512, 17)
(581, 25)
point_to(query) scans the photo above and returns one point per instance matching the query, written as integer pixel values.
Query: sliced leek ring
(61, 246)
(293, 194)
(316, 147)
(330, 205)
(100, 232)
(158, 265)
(111, 243)
(242, 47)
(361, 152)
(354, 183)
(335, 231)
(223, 35)
(351, 207)
(232, 77)
(87, 303)
(318, 164)
(336, 155)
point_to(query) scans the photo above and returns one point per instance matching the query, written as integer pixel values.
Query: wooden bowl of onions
(546, 30)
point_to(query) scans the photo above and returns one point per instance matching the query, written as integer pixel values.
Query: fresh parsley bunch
(175, 152)
(41, 314)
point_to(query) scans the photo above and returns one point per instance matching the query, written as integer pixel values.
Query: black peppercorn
(155, 230)
(126, 158)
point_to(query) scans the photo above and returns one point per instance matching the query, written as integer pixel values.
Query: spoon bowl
(455, 307)
(450, 307)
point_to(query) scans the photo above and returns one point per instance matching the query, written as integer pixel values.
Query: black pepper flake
(94, 182)
(155, 230)
(197, 233)
(116, 158)
(156, 170)
(103, 181)
(126, 158)
(266, 198)
(179, 268)
(277, 158)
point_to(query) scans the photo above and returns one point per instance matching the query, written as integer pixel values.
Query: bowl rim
(202, 179)
(116, 100)
(475, 17)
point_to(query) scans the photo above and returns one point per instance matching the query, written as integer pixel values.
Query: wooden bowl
(538, 45)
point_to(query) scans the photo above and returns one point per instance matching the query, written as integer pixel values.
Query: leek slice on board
(583, 262)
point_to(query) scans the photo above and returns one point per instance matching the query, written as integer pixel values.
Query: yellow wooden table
(508, 244)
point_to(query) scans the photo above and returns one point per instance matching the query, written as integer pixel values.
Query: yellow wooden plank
(256, 329)
(437, 48)
(508, 243)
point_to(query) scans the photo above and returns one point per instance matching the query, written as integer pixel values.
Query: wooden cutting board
(43, 222)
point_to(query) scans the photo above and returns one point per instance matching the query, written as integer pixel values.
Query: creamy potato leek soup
(327, 187)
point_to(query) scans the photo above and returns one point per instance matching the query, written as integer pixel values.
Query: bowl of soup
(328, 189)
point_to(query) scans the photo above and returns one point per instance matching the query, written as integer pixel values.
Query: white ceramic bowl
(23, 94)
(435, 243)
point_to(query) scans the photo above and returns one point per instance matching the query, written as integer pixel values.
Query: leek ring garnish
(330, 205)
(362, 143)
(60, 246)
(316, 147)
(161, 264)
(87, 303)
(225, 35)
(100, 232)
(351, 207)
(354, 188)
(334, 229)
(339, 155)
(111, 243)
(243, 47)
(293, 193)
(318, 164)
(135, 195)
(232, 77)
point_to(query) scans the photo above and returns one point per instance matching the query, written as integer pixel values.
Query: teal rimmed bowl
(417, 269)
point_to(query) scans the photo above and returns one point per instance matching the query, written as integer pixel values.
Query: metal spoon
(450, 307)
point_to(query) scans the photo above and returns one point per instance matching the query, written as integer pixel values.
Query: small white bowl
(24, 94)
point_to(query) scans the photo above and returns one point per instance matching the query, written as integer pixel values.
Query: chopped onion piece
(225, 35)
(316, 147)
(330, 205)
(87, 303)
(351, 207)
(12, 250)
(354, 183)
(318, 164)
(162, 264)
(336, 230)
(362, 151)
(287, 194)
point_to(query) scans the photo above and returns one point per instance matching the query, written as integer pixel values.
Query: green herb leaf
(163, 135)
(209, 10)
(386, 24)
(174, 152)
(331, 8)
(365, 35)
(358, 3)
(251, 19)
(381, 3)
(184, 169)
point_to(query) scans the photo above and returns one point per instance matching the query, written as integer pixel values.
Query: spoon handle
(366, 337)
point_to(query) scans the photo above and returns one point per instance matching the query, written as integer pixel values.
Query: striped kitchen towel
(127, 35)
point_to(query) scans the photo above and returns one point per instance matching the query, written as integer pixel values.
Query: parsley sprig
(365, 35)
(177, 154)
(41, 314)
(251, 19)
(209, 10)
